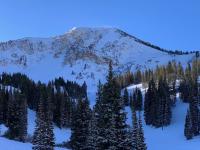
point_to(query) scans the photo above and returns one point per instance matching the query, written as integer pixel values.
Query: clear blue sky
(172, 24)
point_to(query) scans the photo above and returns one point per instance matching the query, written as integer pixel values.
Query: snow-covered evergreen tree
(80, 125)
(23, 117)
(112, 128)
(150, 103)
(17, 116)
(188, 126)
(92, 133)
(141, 145)
(43, 137)
(134, 133)
(126, 97)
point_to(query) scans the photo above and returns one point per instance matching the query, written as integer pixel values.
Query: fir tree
(126, 97)
(39, 133)
(112, 128)
(63, 112)
(80, 125)
(93, 133)
(134, 135)
(23, 117)
(137, 97)
(17, 116)
(43, 137)
(150, 103)
(50, 139)
(164, 105)
(120, 125)
(141, 145)
(194, 111)
(98, 96)
(158, 104)
(188, 127)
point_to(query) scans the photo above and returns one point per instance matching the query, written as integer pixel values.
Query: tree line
(172, 71)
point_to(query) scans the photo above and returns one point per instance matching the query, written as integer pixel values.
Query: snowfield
(6, 144)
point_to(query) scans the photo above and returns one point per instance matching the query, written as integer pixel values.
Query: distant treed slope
(83, 54)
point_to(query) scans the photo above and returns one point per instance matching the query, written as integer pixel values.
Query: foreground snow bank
(6, 144)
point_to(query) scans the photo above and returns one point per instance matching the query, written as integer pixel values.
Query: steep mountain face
(81, 54)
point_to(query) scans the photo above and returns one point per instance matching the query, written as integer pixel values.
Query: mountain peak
(86, 29)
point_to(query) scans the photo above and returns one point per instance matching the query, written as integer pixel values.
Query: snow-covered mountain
(81, 54)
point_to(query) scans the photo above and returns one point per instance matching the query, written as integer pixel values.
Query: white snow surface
(3, 129)
(6, 144)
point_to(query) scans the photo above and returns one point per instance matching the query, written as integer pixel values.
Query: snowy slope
(81, 54)
(6, 144)
(171, 137)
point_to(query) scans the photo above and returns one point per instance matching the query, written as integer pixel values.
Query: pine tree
(173, 93)
(150, 104)
(112, 128)
(80, 125)
(138, 99)
(180, 71)
(1, 106)
(131, 102)
(160, 105)
(63, 111)
(12, 117)
(167, 112)
(39, 132)
(58, 106)
(126, 97)
(134, 135)
(43, 137)
(134, 100)
(23, 117)
(104, 109)
(17, 116)
(188, 127)
(50, 139)
(157, 104)
(98, 96)
(84, 88)
(141, 145)
(194, 111)
(93, 133)
(164, 105)
(120, 124)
